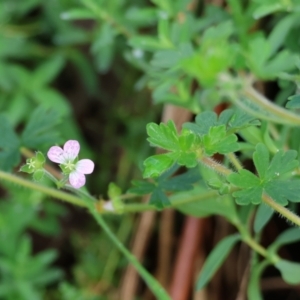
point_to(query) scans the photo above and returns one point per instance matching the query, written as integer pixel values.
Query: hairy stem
(234, 161)
(284, 116)
(153, 284)
(46, 190)
(212, 164)
(281, 209)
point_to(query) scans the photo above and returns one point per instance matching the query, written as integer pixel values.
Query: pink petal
(71, 149)
(77, 180)
(56, 154)
(85, 166)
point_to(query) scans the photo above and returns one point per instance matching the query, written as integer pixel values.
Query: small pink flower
(67, 158)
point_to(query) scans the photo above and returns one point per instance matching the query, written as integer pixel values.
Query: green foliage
(9, 145)
(262, 217)
(24, 275)
(254, 290)
(215, 259)
(209, 133)
(164, 184)
(217, 141)
(183, 148)
(294, 102)
(194, 55)
(271, 178)
(41, 128)
(262, 64)
(207, 203)
(234, 120)
(35, 165)
(287, 237)
(289, 271)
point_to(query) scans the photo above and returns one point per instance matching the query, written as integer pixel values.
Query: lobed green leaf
(217, 141)
(249, 195)
(155, 165)
(261, 159)
(163, 135)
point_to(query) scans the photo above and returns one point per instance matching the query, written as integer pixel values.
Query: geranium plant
(233, 66)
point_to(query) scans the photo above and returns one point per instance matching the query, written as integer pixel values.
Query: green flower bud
(34, 164)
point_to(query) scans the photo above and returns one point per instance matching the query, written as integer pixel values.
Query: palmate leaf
(244, 179)
(163, 184)
(232, 119)
(283, 190)
(182, 148)
(249, 195)
(282, 163)
(9, 145)
(155, 165)
(41, 129)
(240, 120)
(217, 141)
(271, 178)
(182, 182)
(202, 123)
(159, 199)
(261, 159)
(163, 135)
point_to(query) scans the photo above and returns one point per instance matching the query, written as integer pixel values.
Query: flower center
(31, 163)
(69, 166)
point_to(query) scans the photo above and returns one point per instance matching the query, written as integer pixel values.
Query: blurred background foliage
(99, 66)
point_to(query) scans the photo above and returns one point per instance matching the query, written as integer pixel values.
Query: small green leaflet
(272, 178)
(217, 133)
(164, 184)
(294, 102)
(185, 147)
(9, 145)
(156, 165)
(41, 130)
(217, 141)
(232, 119)
(182, 147)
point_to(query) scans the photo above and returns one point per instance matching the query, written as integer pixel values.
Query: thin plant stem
(281, 209)
(152, 283)
(252, 243)
(234, 161)
(284, 116)
(266, 198)
(130, 208)
(114, 255)
(216, 166)
(41, 188)
(50, 176)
